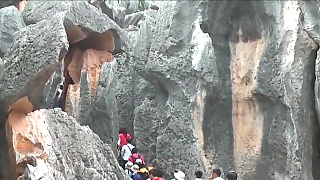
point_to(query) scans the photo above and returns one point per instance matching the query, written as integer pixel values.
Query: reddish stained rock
(24, 133)
(93, 61)
(75, 65)
(90, 61)
(84, 55)
(26, 127)
(72, 99)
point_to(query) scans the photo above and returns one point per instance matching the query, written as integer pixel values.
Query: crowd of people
(134, 164)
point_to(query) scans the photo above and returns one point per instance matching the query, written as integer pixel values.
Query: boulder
(11, 21)
(31, 59)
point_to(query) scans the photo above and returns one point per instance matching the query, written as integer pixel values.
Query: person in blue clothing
(135, 169)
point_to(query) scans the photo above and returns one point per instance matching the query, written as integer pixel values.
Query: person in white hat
(128, 167)
(179, 175)
(135, 176)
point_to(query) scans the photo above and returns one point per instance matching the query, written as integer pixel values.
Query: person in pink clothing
(123, 137)
(136, 158)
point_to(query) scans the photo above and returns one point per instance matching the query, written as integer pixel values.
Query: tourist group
(134, 164)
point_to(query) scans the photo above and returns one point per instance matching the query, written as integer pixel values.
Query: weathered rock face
(10, 21)
(61, 44)
(25, 71)
(51, 145)
(233, 88)
(92, 37)
(228, 84)
(172, 68)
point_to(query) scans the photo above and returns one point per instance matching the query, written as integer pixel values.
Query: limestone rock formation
(232, 87)
(203, 84)
(92, 37)
(61, 44)
(126, 13)
(31, 59)
(10, 22)
(51, 145)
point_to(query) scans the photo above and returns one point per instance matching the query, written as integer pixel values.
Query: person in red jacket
(136, 158)
(123, 137)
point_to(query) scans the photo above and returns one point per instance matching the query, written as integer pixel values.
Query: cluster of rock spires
(201, 85)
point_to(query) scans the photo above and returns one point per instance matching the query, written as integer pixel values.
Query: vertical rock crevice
(315, 116)
(313, 68)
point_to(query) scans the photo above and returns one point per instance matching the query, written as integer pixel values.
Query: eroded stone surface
(92, 98)
(62, 149)
(33, 65)
(11, 21)
(212, 84)
(98, 38)
(240, 97)
(84, 69)
(91, 18)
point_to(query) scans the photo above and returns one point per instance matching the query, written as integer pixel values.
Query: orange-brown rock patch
(93, 61)
(24, 133)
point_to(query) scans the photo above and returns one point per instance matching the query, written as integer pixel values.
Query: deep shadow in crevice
(67, 79)
(21, 166)
(231, 17)
(247, 17)
(161, 87)
(74, 33)
(5, 160)
(204, 27)
(314, 116)
(97, 41)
